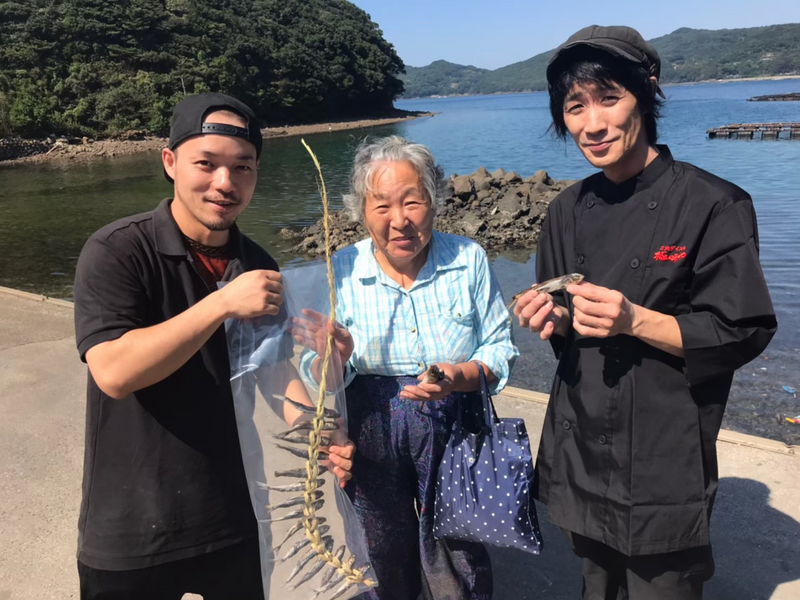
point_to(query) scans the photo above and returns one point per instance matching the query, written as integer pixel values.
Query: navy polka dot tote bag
(484, 484)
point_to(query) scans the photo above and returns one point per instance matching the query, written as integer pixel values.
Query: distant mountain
(686, 55)
(442, 78)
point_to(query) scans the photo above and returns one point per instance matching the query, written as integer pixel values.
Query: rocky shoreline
(15, 150)
(499, 210)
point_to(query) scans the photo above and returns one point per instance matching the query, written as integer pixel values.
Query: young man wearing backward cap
(673, 302)
(165, 507)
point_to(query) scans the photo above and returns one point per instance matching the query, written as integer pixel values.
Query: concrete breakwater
(499, 210)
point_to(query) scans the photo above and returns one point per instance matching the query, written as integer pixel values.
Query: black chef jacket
(628, 449)
(163, 475)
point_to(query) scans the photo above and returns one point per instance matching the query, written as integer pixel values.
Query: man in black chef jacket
(673, 302)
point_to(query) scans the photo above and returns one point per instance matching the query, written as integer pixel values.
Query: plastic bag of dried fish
(312, 544)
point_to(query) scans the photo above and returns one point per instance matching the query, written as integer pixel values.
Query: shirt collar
(443, 255)
(644, 179)
(169, 240)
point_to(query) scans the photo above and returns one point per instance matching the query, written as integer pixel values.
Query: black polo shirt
(628, 448)
(163, 475)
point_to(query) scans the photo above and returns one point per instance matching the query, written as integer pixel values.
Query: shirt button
(652, 205)
(579, 259)
(566, 425)
(413, 330)
(635, 263)
(590, 204)
(602, 439)
(421, 364)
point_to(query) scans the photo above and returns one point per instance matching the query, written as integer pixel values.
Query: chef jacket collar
(614, 192)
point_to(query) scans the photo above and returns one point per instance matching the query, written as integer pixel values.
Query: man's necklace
(212, 251)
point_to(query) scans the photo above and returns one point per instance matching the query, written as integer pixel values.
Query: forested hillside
(99, 67)
(686, 55)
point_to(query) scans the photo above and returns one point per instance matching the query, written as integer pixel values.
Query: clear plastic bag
(265, 370)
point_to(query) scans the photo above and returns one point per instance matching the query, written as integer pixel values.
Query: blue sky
(492, 34)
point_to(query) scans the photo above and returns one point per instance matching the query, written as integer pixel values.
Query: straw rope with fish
(342, 571)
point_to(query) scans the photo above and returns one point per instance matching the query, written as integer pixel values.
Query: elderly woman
(410, 297)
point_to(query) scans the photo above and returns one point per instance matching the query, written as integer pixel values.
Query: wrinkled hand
(340, 455)
(538, 312)
(252, 294)
(423, 392)
(312, 332)
(600, 312)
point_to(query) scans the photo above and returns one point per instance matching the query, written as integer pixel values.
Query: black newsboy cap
(187, 120)
(618, 40)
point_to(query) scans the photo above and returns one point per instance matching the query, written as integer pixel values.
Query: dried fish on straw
(304, 408)
(297, 500)
(292, 531)
(320, 546)
(299, 473)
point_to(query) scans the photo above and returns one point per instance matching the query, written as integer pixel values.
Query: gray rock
(498, 173)
(472, 224)
(483, 195)
(482, 183)
(510, 204)
(540, 177)
(481, 172)
(512, 177)
(462, 186)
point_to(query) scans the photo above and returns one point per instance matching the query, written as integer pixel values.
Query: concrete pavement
(756, 524)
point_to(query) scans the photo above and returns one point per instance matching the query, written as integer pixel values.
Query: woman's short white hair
(371, 153)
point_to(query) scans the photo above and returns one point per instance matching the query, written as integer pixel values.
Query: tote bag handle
(489, 413)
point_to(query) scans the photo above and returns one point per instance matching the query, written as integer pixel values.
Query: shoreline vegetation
(64, 149)
(663, 85)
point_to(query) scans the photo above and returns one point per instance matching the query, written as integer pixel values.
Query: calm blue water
(48, 211)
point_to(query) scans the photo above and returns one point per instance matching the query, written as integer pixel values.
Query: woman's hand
(340, 455)
(423, 392)
(312, 332)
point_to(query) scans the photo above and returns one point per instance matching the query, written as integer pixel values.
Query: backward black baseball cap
(617, 40)
(187, 120)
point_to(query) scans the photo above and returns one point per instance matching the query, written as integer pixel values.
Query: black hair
(589, 66)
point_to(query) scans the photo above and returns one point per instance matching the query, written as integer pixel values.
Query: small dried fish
(433, 375)
(339, 554)
(338, 579)
(294, 529)
(550, 286)
(300, 486)
(323, 529)
(301, 564)
(295, 513)
(302, 439)
(308, 426)
(315, 568)
(311, 410)
(298, 473)
(347, 585)
(302, 453)
(294, 501)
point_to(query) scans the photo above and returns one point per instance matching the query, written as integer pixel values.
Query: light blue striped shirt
(454, 312)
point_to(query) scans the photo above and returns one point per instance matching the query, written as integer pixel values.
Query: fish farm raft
(756, 131)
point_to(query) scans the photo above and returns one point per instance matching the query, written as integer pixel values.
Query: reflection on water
(48, 211)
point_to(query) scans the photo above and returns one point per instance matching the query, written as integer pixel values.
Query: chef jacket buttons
(566, 425)
(602, 439)
(652, 205)
(589, 203)
(635, 263)
(579, 259)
